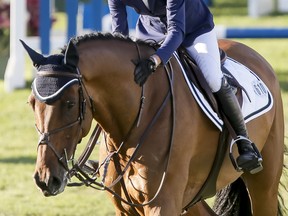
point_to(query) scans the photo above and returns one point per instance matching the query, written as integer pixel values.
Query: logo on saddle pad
(259, 88)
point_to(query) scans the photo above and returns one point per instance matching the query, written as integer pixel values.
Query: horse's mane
(107, 36)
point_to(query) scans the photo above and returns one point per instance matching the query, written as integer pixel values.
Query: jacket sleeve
(175, 13)
(119, 17)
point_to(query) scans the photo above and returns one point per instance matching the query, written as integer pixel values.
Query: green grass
(234, 13)
(18, 193)
(18, 138)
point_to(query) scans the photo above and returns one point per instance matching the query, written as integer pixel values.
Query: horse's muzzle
(50, 185)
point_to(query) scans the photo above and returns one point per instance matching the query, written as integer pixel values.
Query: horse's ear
(71, 57)
(36, 57)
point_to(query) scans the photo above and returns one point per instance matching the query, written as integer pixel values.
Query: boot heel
(257, 169)
(251, 164)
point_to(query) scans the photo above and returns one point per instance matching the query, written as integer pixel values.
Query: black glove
(143, 69)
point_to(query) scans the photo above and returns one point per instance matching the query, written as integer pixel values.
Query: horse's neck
(108, 75)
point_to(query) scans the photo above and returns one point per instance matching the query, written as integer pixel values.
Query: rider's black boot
(249, 159)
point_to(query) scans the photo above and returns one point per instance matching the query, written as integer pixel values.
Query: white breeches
(205, 52)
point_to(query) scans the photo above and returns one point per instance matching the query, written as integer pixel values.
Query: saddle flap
(195, 76)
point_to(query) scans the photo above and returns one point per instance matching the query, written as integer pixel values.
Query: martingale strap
(90, 146)
(78, 169)
(85, 178)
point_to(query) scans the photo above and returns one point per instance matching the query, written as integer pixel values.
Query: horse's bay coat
(107, 74)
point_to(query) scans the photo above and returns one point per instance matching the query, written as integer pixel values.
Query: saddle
(196, 77)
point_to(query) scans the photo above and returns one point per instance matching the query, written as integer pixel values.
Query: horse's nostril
(50, 186)
(56, 182)
(41, 184)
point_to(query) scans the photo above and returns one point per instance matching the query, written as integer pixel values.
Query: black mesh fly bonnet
(49, 88)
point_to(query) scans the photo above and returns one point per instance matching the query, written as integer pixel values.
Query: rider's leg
(248, 160)
(205, 52)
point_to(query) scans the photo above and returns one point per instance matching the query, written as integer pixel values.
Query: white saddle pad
(258, 101)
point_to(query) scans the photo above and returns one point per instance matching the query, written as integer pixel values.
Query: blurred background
(47, 26)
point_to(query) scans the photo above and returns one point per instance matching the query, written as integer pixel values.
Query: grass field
(18, 138)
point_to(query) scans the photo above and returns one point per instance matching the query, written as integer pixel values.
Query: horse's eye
(70, 104)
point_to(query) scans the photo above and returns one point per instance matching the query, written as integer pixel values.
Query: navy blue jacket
(174, 21)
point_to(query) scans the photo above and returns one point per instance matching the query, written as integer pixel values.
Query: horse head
(58, 100)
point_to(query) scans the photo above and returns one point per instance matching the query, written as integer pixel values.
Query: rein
(79, 173)
(78, 167)
(85, 178)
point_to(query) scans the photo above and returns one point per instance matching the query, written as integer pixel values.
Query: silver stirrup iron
(239, 169)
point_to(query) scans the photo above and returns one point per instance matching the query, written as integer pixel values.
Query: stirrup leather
(235, 164)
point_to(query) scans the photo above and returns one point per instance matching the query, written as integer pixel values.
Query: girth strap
(208, 189)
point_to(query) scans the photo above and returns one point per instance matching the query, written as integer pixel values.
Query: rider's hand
(143, 69)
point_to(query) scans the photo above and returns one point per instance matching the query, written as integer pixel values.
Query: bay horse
(159, 145)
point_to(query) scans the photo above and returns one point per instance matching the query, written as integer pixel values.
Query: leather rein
(78, 169)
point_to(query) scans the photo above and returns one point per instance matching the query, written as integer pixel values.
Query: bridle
(77, 168)
(44, 138)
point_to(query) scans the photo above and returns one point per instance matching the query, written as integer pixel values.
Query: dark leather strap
(90, 146)
(195, 75)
